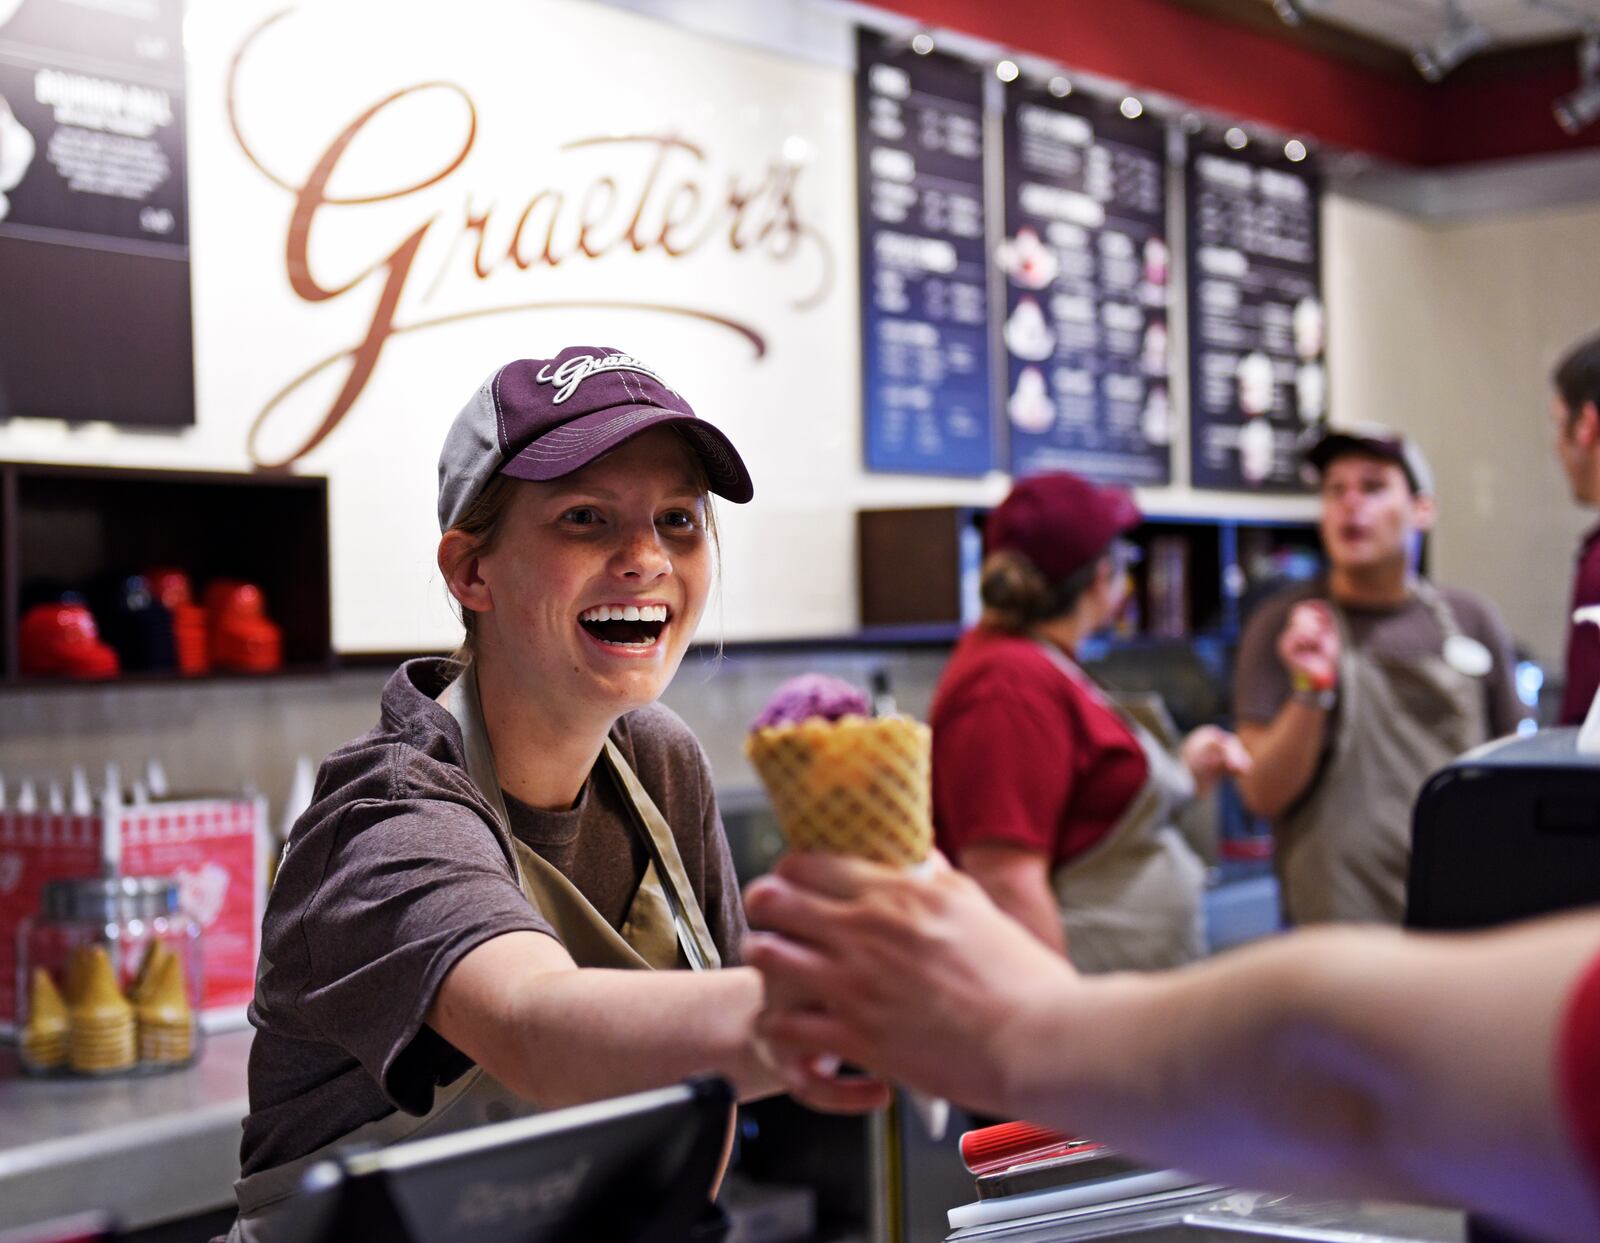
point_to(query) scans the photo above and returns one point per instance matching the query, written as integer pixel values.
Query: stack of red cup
(241, 636)
(62, 640)
(172, 588)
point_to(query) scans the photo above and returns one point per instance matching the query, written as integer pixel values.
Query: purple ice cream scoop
(813, 695)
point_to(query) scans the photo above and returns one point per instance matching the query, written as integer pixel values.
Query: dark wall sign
(94, 231)
(1257, 326)
(1086, 271)
(924, 301)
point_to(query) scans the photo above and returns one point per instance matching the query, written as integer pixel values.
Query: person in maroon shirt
(1577, 429)
(1051, 796)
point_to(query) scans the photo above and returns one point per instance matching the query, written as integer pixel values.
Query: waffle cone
(47, 1010)
(857, 786)
(77, 974)
(166, 997)
(145, 983)
(101, 1001)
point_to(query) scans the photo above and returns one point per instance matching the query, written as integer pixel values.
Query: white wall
(1449, 332)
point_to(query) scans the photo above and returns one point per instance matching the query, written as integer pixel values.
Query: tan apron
(1133, 901)
(664, 929)
(1344, 850)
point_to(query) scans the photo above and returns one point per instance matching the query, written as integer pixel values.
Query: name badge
(1467, 656)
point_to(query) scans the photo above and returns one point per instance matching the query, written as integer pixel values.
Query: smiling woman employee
(460, 921)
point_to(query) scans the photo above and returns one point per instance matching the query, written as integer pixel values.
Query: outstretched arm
(557, 1034)
(1335, 1061)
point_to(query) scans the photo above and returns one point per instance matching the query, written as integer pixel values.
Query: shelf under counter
(148, 1149)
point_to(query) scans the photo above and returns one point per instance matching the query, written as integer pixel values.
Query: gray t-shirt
(1261, 684)
(394, 873)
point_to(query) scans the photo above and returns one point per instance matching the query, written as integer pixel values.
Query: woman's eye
(581, 516)
(679, 520)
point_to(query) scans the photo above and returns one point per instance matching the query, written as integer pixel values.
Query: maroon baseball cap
(1061, 522)
(542, 418)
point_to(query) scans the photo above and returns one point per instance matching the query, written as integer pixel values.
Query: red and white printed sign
(214, 848)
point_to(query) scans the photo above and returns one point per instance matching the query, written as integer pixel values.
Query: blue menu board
(1257, 350)
(924, 301)
(1086, 268)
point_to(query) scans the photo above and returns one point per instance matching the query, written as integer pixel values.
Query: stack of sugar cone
(77, 975)
(161, 1003)
(856, 786)
(102, 1033)
(45, 1038)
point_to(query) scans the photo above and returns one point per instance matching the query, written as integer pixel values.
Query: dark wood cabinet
(76, 524)
(919, 568)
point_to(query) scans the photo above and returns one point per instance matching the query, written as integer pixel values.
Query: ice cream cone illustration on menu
(166, 1023)
(841, 780)
(44, 1039)
(102, 1026)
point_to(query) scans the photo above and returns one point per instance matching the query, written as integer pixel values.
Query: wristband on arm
(1311, 692)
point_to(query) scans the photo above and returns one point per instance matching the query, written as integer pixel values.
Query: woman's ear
(459, 563)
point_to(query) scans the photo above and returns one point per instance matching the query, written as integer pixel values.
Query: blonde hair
(483, 518)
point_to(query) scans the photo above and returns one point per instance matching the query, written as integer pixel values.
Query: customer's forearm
(1284, 757)
(1336, 1061)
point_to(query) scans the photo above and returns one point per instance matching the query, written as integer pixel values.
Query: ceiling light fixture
(1007, 71)
(922, 43)
(1059, 87)
(1579, 110)
(1295, 150)
(1132, 108)
(1462, 37)
(1236, 138)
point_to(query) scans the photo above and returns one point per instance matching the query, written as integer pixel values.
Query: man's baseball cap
(542, 418)
(1061, 522)
(1374, 440)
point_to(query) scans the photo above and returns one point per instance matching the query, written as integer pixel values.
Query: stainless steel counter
(148, 1149)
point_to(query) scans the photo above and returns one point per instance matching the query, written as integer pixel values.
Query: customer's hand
(1211, 753)
(913, 975)
(1309, 645)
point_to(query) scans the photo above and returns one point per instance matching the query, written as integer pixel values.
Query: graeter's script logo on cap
(575, 371)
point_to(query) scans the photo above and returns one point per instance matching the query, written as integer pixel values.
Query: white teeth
(629, 612)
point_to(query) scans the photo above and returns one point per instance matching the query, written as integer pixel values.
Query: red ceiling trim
(1231, 69)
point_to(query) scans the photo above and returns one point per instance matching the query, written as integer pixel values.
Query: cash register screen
(637, 1169)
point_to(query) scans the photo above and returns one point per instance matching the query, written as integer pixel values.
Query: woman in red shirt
(1054, 799)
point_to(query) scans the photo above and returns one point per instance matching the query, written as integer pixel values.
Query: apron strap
(463, 703)
(687, 918)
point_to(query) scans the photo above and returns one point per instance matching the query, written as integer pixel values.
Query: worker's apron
(1133, 900)
(664, 929)
(1344, 851)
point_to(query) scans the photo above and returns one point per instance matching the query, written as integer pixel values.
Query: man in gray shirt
(1350, 691)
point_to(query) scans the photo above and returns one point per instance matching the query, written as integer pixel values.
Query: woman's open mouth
(625, 625)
